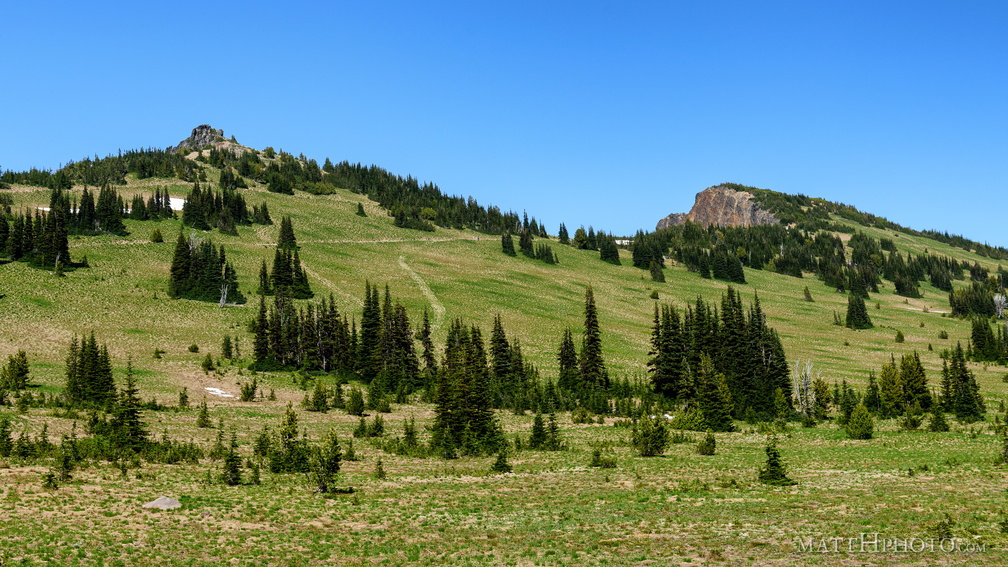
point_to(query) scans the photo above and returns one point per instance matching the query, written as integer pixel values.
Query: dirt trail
(439, 309)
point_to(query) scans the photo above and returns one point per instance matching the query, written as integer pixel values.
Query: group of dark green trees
(739, 345)
(902, 389)
(200, 271)
(205, 209)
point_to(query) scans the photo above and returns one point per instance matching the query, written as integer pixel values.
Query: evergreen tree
(537, 439)
(966, 401)
(774, 473)
(127, 426)
(592, 368)
(860, 425)
(525, 243)
(89, 373)
(857, 313)
(14, 375)
(562, 234)
(231, 464)
(325, 464)
(507, 244)
(568, 360)
(914, 382)
(179, 279)
(649, 436)
(463, 419)
(289, 452)
(608, 252)
(938, 424)
(657, 274)
(370, 335)
(872, 398)
(287, 240)
(714, 397)
(890, 391)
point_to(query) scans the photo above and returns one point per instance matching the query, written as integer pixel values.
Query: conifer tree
(657, 274)
(127, 426)
(568, 360)
(507, 244)
(231, 464)
(325, 464)
(562, 234)
(525, 243)
(938, 424)
(370, 334)
(179, 280)
(14, 375)
(872, 398)
(592, 368)
(860, 424)
(714, 397)
(967, 403)
(857, 313)
(774, 473)
(287, 240)
(914, 382)
(890, 391)
(89, 373)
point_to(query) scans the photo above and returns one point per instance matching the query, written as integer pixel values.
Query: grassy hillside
(122, 296)
(554, 509)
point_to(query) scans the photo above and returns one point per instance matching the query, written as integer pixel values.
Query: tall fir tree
(591, 364)
(567, 359)
(857, 313)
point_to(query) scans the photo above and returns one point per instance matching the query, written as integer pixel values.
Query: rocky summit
(201, 137)
(721, 206)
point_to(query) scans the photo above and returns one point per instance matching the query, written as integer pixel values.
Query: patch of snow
(176, 203)
(219, 392)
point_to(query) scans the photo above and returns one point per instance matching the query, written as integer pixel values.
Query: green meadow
(681, 508)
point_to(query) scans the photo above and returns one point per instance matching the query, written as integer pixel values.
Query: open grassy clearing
(677, 509)
(681, 508)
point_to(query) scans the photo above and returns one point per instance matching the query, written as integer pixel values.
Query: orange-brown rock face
(721, 206)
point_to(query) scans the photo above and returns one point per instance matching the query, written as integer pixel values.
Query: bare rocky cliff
(721, 206)
(201, 137)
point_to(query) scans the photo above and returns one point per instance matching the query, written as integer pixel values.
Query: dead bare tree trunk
(223, 294)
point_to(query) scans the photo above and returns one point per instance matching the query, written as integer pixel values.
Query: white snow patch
(176, 203)
(219, 392)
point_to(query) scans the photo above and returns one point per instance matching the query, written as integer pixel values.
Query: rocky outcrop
(721, 206)
(202, 136)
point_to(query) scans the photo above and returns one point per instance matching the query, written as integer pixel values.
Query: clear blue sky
(610, 114)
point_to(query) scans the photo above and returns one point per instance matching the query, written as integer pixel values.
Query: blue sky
(610, 114)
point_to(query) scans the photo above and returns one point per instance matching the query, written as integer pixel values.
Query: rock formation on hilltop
(722, 206)
(201, 137)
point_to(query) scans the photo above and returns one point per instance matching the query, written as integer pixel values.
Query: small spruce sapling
(774, 473)
(861, 424)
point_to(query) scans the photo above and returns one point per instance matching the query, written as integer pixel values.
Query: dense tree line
(89, 373)
(287, 276)
(986, 345)
(463, 419)
(313, 337)
(206, 209)
(200, 271)
(157, 206)
(857, 268)
(960, 393)
(110, 170)
(740, 346)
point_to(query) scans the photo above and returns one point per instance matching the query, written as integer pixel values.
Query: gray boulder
(164, 503)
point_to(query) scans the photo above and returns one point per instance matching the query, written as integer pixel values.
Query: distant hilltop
(201, 137)
(721, 205)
